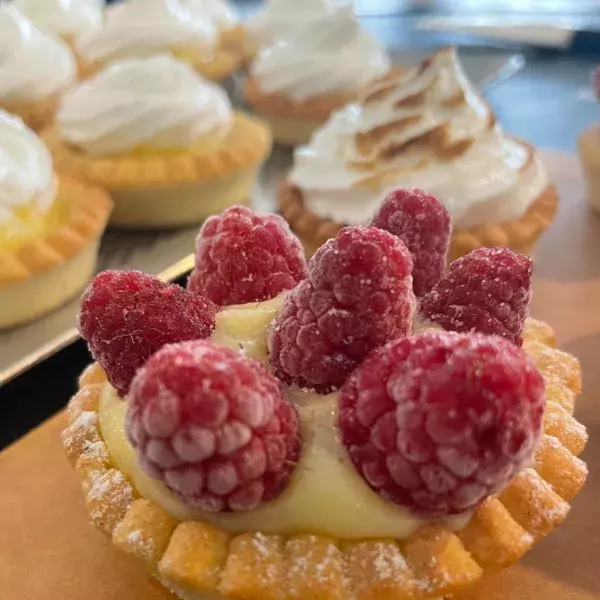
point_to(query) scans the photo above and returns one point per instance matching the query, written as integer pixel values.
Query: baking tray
(167, 254)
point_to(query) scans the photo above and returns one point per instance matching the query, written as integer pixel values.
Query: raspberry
(357, 297)
(244, 257)
(213, 426)
(422, 222)
(437, 422)
(126, 316)
(487, 291)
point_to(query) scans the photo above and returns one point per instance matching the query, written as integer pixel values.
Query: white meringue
(333, 54)
(155, 102)
(478, 172)
(138, 28)
(26, 172)
(33, 65)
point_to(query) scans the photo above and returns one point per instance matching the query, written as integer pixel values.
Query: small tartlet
(589, 155)
(519, 234)
(45, 272)
(142, 185)
(195, 559)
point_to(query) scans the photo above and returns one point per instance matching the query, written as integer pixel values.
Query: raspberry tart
(283, 430)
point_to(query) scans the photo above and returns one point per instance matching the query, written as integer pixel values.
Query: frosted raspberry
(212, 425)
(422, 222)
(437, 422)
(126, 316)
(487, 291)
(357, 297)
(244, 257)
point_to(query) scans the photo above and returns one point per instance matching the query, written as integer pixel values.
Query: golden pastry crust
(197, 558)
(589, 154)
(88, 210)
(234, 40)
(247, 144)
(316, 109)
(36, 115)
(519, 234)
(276, 104)
(220, 65)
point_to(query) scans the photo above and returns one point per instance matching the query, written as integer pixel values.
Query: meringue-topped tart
(43, 259)
(64, 18)
(164, 141)
(428, 129)
(313, 70)
(288, 430)
(35, 68)
(589, 146)
(142, 28)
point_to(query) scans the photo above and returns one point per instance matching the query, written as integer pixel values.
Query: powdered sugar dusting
(389, 563)
(259, 541)
(546, 508)
(82, 437)
(86, 420)
(138, 540)
(109, 496)
(312, 563)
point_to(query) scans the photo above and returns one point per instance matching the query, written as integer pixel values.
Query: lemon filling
(325, 495)
(27, 223)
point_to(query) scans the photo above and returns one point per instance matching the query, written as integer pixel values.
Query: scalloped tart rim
(89, 210)
(163, 171)
(197, 558)
(519, 234)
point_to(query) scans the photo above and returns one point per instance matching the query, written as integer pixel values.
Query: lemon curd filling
(203, 145)
(325, 496)
(28, 223)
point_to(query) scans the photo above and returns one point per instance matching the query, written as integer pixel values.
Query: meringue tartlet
(142, 28)
(50, 228)
(427, 129)
(589, 152)
(589, 155)
(163, 141)
(311, 71)
(35, 68)
(63, 18)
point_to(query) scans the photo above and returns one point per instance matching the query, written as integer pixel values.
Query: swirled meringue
(220, 12)
(62, 17)
(428, 129)
(139, 28)
(280, 17)
(154, 102)
(26, 173)
(33, 65)
(332, 54)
